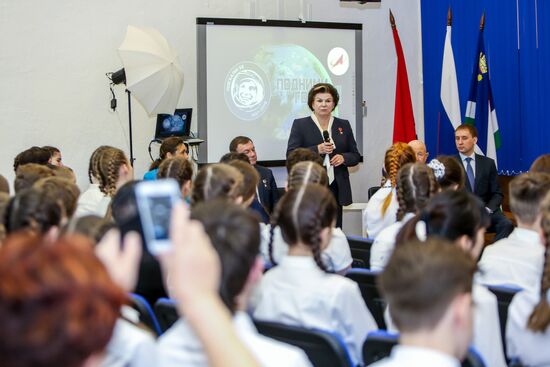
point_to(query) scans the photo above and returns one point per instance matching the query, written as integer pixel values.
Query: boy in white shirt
(234, 233)
(518, 259)
(429, 287)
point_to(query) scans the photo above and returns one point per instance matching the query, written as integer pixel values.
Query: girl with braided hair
(299, 291)
(382, 207)
(93, 201)
(416, 183)
(217, 181)
(181, 170)
(109, 169)
(336, 256)
(527, 329)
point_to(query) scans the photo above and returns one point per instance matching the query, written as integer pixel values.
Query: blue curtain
(519, 57)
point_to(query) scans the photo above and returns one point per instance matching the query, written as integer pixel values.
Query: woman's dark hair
(415, 185)
(33, 209)
(251, 178)
(449, 214)
(235, 234)
(302, 155)
(454, 173)
(540, 316)
(169, 145)
(32, 155)
(302, 213)
(304, 173)
(322, 88)
(51, 149)
(216, 181)
(63, 189)
(177, 168)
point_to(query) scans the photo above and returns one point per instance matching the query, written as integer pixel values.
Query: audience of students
(527, 331)
(415, 185)
(337, 255)
(461, 218)
(215, 268)
(234, 233)
(382, 207)
(429, 287)
(518, 259)
(299, 290)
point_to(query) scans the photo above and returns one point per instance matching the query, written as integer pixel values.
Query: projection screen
(254, 77)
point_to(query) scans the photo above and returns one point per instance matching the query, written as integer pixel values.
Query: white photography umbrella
(151, 65)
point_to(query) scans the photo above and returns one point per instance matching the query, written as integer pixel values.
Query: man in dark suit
(481, 179)
(267, 193)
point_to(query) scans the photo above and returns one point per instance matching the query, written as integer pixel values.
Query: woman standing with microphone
(329, 136)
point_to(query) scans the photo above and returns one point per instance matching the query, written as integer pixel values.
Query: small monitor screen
(178, 124)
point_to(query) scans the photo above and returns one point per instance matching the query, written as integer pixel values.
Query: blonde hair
(396, 156)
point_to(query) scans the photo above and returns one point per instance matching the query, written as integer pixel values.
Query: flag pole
(482, 22)
(449, 17)
(392, 20)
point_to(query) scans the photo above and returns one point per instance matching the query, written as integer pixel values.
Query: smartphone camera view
(155, 201)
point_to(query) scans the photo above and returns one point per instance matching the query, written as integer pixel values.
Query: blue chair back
(167, 313)
(146, 314)
(504, 295)
(360, 251)
(323, 348)
(366, 279)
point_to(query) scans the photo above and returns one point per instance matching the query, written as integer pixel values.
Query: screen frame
(202, 108)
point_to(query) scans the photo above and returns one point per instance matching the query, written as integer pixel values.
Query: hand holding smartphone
(155, 200)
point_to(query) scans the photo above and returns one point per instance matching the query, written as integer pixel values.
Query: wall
(55, 55)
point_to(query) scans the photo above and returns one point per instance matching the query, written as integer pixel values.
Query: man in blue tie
(481, 174)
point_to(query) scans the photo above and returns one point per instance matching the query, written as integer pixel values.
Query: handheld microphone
(326, 136)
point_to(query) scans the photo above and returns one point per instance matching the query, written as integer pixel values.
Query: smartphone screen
(155, 200)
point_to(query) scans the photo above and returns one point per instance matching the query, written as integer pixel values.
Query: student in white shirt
(434, 317)
(461, 218)
(415, 184)
(382, 207)
(234, 233)
(108, 170)
(518, 259)
(299, 291)
(527, 329)
(337, 255)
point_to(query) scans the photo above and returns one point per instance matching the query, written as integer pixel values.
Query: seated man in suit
(267, 187)
(481, 179)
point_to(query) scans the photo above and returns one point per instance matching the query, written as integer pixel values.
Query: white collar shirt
(487, 339)
(517, 260)
(373, 219)
(404, 355)
(179, 346)
(297, 292)
(336, 257)
(92, 202)
(383, 245)
(130, 346)
(530, 347)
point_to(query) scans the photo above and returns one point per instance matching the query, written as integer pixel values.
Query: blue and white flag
(481, 110)
(450, 116)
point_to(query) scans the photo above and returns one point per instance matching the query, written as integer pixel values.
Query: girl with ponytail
(336, 257)
(527, 330)
(416, 183)
(382, 207)
(299, 291)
